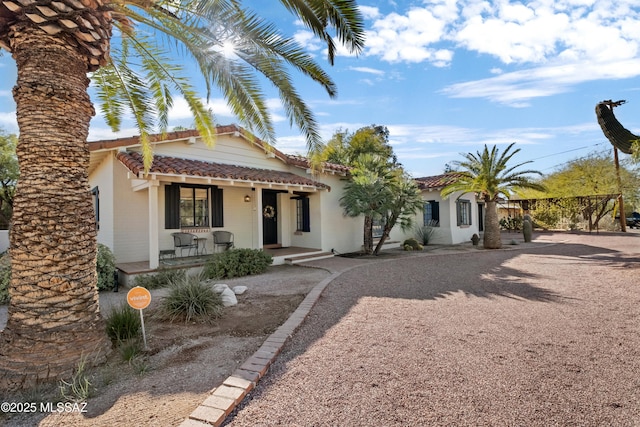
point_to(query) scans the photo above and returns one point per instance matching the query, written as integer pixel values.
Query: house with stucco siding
(455, 218)
(266, 198)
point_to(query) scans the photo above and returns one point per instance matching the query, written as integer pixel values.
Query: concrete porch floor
(142, 267)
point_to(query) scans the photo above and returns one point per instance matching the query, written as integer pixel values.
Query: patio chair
(184, 241)
(223, 239)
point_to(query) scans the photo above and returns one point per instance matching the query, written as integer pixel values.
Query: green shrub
(105, 267)
(5, 277)
(412, 245)
(123, 323)
(237, 263)
(164, 277)
(192, 300)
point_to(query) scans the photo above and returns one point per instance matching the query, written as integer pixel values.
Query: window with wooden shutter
(172, 206)
(188, 206)
(217, 211)
(303, 215)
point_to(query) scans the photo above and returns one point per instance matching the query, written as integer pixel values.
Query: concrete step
(297, 259)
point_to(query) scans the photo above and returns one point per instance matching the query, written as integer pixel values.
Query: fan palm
(489, 176)
(54, 318)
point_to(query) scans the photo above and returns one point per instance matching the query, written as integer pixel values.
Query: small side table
(202, 245)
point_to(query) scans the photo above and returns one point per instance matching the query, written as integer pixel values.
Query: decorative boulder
(239, 290)
(228, 296)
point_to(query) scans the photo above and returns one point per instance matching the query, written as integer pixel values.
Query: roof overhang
(171, 169)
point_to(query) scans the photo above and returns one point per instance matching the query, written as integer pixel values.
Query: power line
(579, 158)
(568, 151)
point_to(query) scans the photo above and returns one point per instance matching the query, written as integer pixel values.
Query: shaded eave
(617, 135)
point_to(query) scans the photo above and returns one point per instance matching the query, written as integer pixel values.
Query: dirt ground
(183, 362)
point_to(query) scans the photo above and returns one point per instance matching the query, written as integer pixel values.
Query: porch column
(284, 218)
(154, 245)
(258, 216)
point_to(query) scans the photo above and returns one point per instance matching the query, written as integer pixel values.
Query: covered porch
(269, 209)
(281, 255)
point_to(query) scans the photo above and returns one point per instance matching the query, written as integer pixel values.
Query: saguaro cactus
(527, 228)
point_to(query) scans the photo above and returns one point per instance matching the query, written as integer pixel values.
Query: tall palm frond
(202, 29)
(317, 15)
(488, 174)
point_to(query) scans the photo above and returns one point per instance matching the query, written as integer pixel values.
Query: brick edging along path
(226, 397)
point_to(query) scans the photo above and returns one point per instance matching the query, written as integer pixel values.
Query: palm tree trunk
(54, 317)
(368, 234)
(492, 238)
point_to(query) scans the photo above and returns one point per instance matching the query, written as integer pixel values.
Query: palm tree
(489, 176)
(54, 318)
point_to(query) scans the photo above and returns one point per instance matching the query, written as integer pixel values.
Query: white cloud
(308, 40)
(408, 38)
(99, 133)
(368, 70)
(181, 111)
(369, 12)
(518, 87)
(570, 41)
(9, 122)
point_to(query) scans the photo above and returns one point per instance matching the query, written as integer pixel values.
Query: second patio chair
(223, 239)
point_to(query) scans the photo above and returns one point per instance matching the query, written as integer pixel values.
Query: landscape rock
(239, 290)
(228, 296)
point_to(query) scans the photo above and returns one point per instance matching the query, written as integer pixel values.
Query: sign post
(139, 298)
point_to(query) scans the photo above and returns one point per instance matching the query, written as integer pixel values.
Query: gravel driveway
(538, 336)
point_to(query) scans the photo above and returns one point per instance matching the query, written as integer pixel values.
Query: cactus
(412, 245)
(527, 228)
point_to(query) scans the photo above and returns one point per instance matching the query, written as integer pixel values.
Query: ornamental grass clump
(191, 300)
(424, 234)
(123, 323)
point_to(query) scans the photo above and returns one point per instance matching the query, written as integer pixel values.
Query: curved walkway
(541, 335)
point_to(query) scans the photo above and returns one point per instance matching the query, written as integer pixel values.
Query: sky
(447, 77)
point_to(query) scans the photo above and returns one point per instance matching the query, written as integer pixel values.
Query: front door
(269, 217)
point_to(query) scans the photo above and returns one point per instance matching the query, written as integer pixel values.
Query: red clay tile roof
(437, 181)
(198, 168)
(303, 162)
(294, 160)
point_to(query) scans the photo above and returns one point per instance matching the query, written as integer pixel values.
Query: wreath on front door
(269, 212)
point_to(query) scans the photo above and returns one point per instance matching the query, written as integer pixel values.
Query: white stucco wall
(228, 149)
(339, 232)
(131, 225)
(448, 231)
(102, 178)
(124, 212)
(4, 240)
